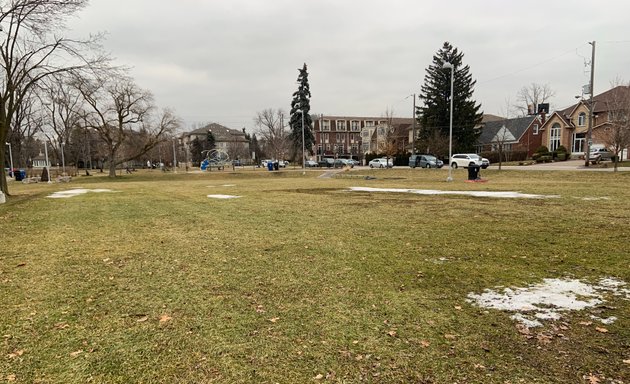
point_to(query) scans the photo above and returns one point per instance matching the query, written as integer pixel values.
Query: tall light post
(47, 163)
(413, 124)
(450, 124)
(174, 157)
(303, 153)
(63, 159)
(11, 159)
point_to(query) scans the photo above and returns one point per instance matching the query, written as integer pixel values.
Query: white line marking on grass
(223, 197)
(75, 192)
(547, 300)
(501, 194)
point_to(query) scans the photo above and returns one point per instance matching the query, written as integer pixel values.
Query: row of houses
(355, 136)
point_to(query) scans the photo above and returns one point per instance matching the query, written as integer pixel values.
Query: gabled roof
(514, 129)
(220, 133)
(602, 101)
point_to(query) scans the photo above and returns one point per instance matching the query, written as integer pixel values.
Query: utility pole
(589, 135)
(413, 127)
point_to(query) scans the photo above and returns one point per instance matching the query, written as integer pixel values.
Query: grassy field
(301, 280)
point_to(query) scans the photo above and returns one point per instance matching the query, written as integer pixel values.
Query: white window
(581, 119)
(355, 126)
(578, 142)
(536, 129)
(326, 137)
(326, 125)
(340, 137)
(369, 123)
(554, 137)
(341, 125)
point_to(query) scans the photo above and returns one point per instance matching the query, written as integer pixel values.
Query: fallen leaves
(626, 361)
(592, 379)
(142, 319)
(165, 319)
(425, 343)
(76, 353)
(391, 333)
(16, 353)
(274, 319)
(601, 329)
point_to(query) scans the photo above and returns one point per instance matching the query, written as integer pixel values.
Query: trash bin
(19, 174)
(473, 171)
(276, 165)
(270, 165)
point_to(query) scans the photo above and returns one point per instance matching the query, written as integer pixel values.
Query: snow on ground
(75, 192)
(223, 197)
(547, 300)
(500, 194)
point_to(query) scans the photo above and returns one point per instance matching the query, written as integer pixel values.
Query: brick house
(347, 136)
(517, 134)
(232, 141)
(569, 127)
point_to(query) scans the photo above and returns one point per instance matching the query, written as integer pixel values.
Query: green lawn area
(302, 280)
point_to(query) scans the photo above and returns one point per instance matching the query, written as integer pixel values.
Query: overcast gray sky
(224, 60)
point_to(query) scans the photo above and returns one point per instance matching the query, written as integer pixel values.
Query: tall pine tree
(301, 101)
(433, 116)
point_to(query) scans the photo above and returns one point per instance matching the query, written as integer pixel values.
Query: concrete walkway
(569, 165)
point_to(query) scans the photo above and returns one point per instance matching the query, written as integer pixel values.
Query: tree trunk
(112, 164)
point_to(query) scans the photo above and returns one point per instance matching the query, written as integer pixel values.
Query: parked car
(340, 163)
(425, 161)
(381, 163)
(600, 153)
(465, 159)
(283, 163)
(352, 162)
(326, 162)
(311, 164)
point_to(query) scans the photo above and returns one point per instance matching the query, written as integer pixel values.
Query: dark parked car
(326, 162)
(425, 161)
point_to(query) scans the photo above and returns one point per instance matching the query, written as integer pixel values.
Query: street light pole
(450, 125)
(47, 163)
(174, 158)
(303, 154)
(11, 159)
(63, 160)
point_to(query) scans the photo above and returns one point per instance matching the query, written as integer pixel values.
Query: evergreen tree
(210, 141)
(433, 116)
(301, 101)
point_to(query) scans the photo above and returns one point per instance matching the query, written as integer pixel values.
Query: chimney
(530, 109)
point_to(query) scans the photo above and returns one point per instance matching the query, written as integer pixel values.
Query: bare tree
(273, 131)
(616, 136)
(27, 122)
(121, 113)
(532, 95)
(63, 105)
(31, 50)
(503, 135)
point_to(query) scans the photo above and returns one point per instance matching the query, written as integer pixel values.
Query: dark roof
(516, 127)
(603, 101)
(487, 117)
(219, 132)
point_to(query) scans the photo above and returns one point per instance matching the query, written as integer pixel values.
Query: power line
(533, 65)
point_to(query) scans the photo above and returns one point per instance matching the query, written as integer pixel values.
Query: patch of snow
(498, 194)
(223, 197)
(606, 321)
(75, 192)
(547, 300)
(595, 198)
(229, 185)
